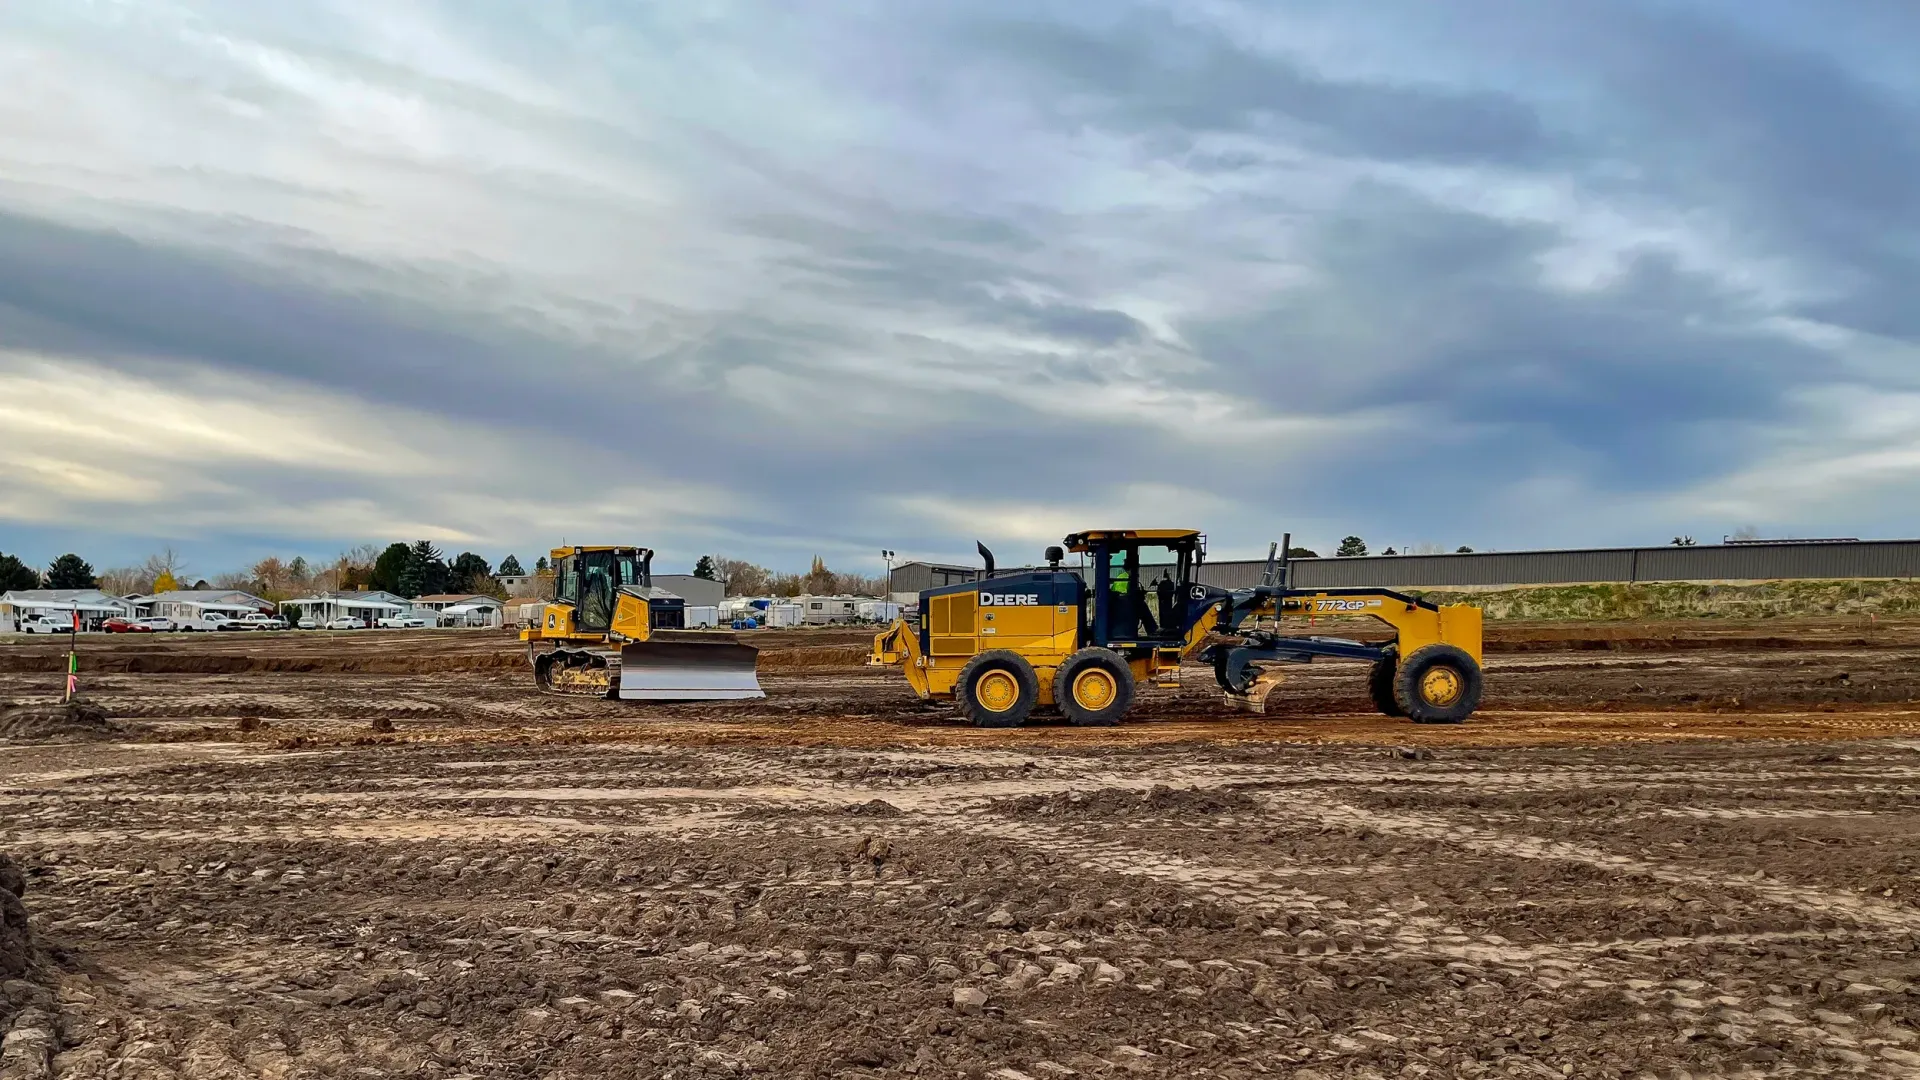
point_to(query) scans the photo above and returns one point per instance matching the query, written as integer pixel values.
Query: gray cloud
(891, 281)
(1150, 71)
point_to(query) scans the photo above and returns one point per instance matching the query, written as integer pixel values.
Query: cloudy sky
(780, 278)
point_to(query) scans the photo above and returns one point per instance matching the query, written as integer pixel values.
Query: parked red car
(118, 625)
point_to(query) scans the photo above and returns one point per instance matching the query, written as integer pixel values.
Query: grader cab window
(1145, 589)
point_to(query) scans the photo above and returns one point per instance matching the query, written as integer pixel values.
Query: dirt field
(1668, 849)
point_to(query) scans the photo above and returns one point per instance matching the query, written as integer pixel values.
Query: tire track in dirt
(1385, 933)
(1896, 917)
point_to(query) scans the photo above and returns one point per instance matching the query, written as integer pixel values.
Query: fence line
(1786, 561)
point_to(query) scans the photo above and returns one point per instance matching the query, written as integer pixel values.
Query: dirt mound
(1120, 802)
(77, 719)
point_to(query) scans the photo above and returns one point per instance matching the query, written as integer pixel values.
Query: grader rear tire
(997, 689)
(1439, 684)
(1094, 688)
(1380, 683)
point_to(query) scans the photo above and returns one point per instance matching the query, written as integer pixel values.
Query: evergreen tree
(705, 569)
(15, 574)
(510, 567)
(388, 568)
(540, 565)
(1350, 547)
(426, 572)
(70, 571)
(470, 574)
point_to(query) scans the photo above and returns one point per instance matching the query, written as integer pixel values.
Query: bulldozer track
(596, 676)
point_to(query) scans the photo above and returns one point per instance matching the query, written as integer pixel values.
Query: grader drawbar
(1007, 645)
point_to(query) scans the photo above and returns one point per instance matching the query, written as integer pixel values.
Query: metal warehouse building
(1736, 562)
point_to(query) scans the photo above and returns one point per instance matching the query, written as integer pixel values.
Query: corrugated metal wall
(1738, 562)
(1734, 562)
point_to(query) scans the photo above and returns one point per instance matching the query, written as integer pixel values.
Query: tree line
(742, 578)
(410, 570)
(404, 569)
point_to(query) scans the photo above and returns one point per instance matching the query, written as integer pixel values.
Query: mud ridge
(74, 720)
(1159, 800)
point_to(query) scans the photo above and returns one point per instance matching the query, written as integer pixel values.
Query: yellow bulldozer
(609, 632)
(1007, 644)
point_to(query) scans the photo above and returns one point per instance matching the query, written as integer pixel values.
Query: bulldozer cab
(1140, 583)
(591, 579)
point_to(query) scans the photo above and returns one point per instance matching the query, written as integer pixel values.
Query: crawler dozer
(1008, 644)
(609, 632)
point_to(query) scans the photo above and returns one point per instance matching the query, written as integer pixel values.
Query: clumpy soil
(436, 872)
(637, 909)
(16, 935)
(56, 721)
(1159, 800)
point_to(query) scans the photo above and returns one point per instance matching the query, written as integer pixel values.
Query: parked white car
(47, 624)
(210, 620)
(159, 624)
(402, 622)
(346, 622)
(308, 623)
(261, 621)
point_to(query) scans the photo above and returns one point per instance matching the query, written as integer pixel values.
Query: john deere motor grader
(609, 632)
(1007, 644)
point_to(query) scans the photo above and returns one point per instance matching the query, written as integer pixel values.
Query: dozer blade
(682, 670)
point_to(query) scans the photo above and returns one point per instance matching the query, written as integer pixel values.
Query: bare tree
(860, 585)
(124, 580)
(743, 578)
(165, 563)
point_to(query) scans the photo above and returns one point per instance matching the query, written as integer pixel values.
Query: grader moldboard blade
(682, 670)
(1244, 685)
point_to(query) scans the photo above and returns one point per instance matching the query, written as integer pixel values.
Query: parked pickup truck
(402, 622)
(47, 624)
(259, 621)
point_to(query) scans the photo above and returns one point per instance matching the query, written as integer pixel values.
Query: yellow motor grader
(1007, 644)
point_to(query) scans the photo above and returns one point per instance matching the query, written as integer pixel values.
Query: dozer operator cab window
(567, 581)
(597, 591)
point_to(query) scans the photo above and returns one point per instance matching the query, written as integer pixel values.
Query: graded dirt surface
(1658, 850)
